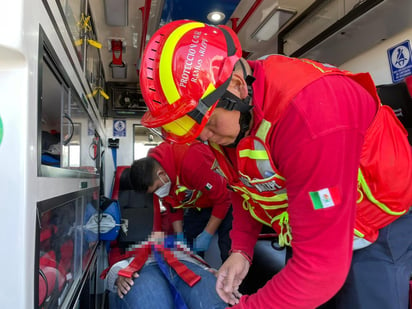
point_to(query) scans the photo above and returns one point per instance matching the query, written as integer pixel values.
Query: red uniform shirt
(195, 173)
(316, 144)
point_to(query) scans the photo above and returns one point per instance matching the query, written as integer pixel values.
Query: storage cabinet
(67, 136)
(69, 170)
(66, 243)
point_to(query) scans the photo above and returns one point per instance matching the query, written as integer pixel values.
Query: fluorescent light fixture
(271, 25)
(115, 12)
(215, 17)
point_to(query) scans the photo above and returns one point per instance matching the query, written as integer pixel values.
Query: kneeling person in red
(181, 176)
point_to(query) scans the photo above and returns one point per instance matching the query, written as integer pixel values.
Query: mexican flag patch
(208, 186)
(325, 198)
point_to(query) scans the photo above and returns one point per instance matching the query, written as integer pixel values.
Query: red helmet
(185, 69)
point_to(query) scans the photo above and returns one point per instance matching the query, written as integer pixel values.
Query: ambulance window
(143, 140)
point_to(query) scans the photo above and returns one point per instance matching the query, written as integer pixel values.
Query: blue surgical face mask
(164, 190)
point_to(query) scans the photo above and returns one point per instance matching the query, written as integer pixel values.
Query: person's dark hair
(142, 173)
(124, 181)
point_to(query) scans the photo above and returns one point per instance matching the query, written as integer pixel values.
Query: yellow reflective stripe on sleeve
(254, 154)
(370, 197)
(165, 64)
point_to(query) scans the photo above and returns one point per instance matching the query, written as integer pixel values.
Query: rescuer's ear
(238, 85)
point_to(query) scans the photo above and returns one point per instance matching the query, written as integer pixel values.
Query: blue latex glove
(180, 237)
(202, 242)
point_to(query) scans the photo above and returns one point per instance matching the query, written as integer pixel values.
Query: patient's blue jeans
(151, 290)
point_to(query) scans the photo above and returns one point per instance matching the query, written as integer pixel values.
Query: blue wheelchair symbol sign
(400, 61)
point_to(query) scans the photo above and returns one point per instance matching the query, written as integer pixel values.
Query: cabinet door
(66, 245)
(67, 136)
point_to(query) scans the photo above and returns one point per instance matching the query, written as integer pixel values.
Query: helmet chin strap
(228, 101)
(241, 105)
(244, 123)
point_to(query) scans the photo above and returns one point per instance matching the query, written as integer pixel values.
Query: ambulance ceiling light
(216, 17)
(272, 24)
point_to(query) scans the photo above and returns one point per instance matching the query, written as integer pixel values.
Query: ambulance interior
(350, 34)
(87, 58)
(342, 33)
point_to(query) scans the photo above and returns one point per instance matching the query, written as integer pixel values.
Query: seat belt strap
(181, 269)
(142, 254)
(177, 298)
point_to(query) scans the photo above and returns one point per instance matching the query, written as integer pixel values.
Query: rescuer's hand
(180, 237)
(202, 242)
(230, 276)
(124, 284)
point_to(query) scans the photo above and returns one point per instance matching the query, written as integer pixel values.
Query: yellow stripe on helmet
(165, 64)
(180, 126)
(209, 90)
(183, 125)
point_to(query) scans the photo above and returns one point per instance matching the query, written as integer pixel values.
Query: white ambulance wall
(375, 61)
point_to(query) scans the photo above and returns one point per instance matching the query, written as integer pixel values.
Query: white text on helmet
(189, 59)
(203, 47)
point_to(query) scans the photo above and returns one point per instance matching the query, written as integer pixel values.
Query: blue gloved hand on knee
(202, 242)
